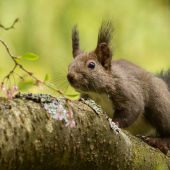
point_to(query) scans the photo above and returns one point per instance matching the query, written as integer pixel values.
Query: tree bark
(32, 139)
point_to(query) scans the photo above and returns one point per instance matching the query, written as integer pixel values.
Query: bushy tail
(165, 76)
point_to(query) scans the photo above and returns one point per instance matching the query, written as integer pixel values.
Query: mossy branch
(31, 139)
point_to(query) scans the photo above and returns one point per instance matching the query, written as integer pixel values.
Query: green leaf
(47, 77)
(72, 95)
(30, 56)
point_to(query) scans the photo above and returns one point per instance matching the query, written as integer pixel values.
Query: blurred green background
(142, 34)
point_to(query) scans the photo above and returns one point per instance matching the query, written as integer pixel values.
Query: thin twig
(36, 83)
(12, 26)
(30, 73)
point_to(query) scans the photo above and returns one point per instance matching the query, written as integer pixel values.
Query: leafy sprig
(30, 57)
(10, 91)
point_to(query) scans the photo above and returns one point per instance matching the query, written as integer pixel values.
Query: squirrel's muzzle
(70, 77)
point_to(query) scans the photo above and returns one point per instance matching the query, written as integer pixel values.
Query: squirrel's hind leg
(160, 143)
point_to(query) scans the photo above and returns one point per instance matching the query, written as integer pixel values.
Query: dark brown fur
(125, 91)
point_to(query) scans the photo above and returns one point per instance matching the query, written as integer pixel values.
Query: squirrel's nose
(70, 77)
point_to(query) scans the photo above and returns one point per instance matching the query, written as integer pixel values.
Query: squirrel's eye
(91, 65)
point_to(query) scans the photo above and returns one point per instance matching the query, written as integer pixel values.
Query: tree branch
(31, 139)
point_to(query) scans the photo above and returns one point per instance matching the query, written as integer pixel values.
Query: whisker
(55, 73)
(65, 87)
(62, 85)
(66, 61)
(87, 87)
(58, 80)
(62, 82)
(57, 86)
(63, 68)
(107, 94)
(59, 76)
(96, 89)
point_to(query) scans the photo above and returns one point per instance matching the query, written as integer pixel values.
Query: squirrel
(135, 99)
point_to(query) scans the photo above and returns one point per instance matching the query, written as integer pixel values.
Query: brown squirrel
(135, 99)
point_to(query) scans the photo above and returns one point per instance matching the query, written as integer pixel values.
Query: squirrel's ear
(103, 49)
(75, 41)
(104, 55)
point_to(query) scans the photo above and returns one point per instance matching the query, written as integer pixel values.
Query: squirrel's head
(89, 69)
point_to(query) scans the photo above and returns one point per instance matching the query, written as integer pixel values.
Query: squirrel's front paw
(117, 123)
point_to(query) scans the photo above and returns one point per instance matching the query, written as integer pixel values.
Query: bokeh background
(142, 34)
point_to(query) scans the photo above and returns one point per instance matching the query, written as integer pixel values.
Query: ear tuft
(106, 32)
(103, 49)
(75, 41)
